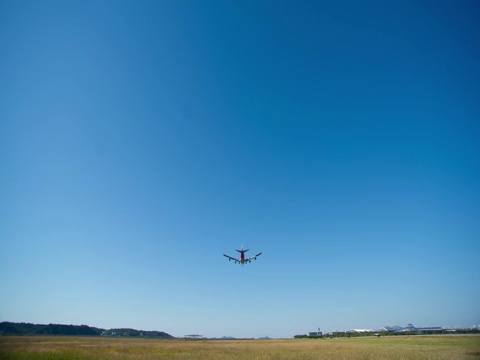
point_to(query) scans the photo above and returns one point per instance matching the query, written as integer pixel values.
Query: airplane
(242, 259)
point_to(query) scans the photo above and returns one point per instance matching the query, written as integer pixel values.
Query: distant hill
(11, 328)
(137, 333)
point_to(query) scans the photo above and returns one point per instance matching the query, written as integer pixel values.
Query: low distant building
(409, 328)
(359, 331)
(429, 328)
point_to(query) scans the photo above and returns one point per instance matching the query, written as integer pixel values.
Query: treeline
(137, 333)
(10, 328)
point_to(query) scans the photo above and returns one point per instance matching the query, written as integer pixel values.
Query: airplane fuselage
(242, 255)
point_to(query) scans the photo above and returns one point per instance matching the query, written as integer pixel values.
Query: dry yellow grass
(402, 347)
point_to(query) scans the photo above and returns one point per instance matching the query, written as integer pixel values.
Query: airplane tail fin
(244, 251)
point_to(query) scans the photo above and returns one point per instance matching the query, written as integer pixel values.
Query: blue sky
(139, 141)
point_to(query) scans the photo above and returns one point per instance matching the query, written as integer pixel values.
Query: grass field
(385, 348)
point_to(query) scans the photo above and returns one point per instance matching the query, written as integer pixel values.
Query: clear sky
(139, 141)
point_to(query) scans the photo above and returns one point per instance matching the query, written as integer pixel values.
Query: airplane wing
(232, 258)
(253, 257)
